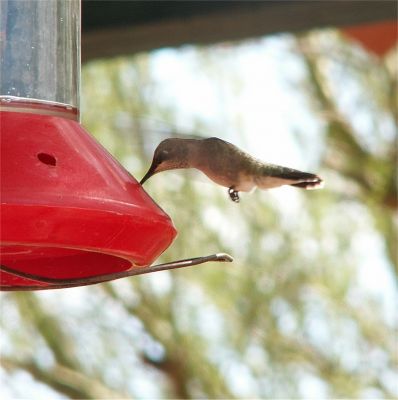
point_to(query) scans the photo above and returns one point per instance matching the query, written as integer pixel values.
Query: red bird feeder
(70, 213)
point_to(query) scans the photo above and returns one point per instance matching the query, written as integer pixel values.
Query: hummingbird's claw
(233, 194)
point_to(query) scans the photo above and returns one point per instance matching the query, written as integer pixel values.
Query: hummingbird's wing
(147, 133)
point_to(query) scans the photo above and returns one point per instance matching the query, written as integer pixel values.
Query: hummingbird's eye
(163, 155)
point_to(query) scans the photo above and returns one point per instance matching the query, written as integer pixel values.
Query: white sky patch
(374, 273)
(142, 385)
(231, 230)
(23, 386)
(160, 282)
(179, 82)
(311, 387)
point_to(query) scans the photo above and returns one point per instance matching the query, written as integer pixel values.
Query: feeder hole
(47, 159)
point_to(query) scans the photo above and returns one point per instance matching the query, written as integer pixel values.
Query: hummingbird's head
(170, 154)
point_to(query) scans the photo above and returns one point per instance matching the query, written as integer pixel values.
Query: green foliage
(289, 318)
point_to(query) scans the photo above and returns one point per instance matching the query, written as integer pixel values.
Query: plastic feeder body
(68, 208)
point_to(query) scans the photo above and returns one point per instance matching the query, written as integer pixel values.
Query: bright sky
(274, 118)
(265, 102)
(272, 111)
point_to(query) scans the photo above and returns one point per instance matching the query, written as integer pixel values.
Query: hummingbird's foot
(233, 194)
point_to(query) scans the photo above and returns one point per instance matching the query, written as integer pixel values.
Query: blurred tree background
(308, 308)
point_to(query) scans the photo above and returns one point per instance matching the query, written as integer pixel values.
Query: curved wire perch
(92, 280)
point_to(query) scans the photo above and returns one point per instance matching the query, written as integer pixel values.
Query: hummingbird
(226, 165)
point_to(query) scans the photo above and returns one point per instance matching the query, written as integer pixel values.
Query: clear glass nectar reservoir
(40, 53)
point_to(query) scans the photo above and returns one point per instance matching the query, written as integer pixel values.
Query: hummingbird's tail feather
(304, 180)
(318, 184)
(274, 176)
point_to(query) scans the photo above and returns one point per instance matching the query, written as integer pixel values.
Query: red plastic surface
(68, 208)
(379, 37)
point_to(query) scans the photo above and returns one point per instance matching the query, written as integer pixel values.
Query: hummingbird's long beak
(151, 171)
